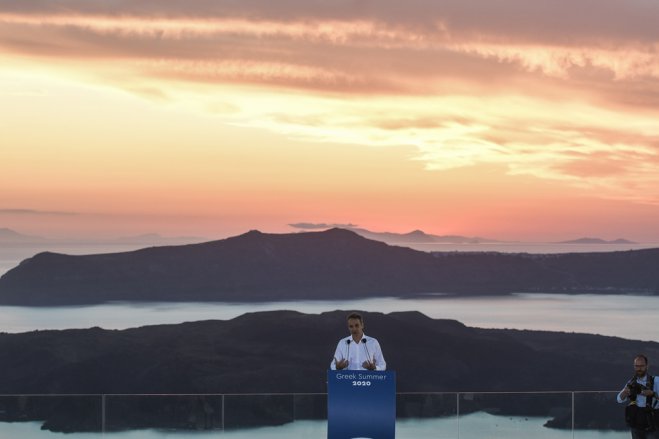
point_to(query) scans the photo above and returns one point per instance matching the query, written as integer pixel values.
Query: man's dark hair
(356, 316)
(643, 357)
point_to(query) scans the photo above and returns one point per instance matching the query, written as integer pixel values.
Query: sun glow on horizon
(434, 123)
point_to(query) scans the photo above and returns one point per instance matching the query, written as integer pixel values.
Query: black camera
(635, 389)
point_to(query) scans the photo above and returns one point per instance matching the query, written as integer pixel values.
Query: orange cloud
(524, 86)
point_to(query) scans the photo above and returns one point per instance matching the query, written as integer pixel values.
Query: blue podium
(361, 404)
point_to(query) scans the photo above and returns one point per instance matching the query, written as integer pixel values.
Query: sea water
(471, 426)
(614, 315)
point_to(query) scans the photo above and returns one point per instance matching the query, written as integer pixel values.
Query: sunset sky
(509, 119)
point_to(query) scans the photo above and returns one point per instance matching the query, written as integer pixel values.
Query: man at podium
(357, 351)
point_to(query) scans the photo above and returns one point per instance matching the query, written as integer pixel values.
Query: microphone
(364, 340)
(347, 355)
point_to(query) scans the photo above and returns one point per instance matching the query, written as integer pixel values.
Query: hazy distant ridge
(335, 264)
(419, 237)
(597, 241)
(9, 236)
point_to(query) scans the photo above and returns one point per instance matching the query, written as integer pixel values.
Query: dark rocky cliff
(285, 351)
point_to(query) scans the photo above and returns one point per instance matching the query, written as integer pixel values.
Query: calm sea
(473, 426)
(622, 316)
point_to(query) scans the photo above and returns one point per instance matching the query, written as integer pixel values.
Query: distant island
(419, 237)
(597, 241)
(9, 236)
(413, 237)
(335, 264)
(289, 352)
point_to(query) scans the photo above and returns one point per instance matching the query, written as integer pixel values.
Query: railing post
(457, 412)
(222, 412)
(103, 415)
(572, 415)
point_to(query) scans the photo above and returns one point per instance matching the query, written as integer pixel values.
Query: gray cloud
(401, 48)
(560, 21)
(35, 212)
(363, 64)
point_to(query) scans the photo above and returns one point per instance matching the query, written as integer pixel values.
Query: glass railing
(559, 415)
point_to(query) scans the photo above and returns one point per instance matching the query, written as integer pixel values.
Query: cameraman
(639, 390)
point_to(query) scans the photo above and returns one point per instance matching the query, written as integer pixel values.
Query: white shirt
(368, 348)
(640, 399)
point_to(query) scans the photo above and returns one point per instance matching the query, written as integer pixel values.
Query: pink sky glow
(511, 119)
